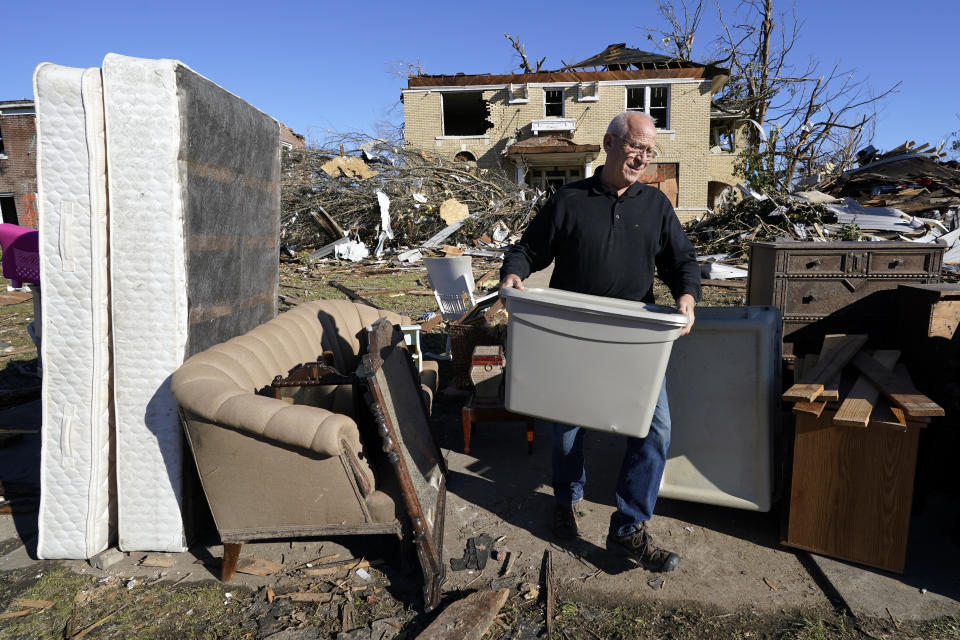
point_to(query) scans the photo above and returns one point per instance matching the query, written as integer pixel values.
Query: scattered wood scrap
(258, 567)
(811, 383)
(882, 395)
(468, 618)
(857, 407)
(897, 387)
(160, 560)
(549, 597)
(305, 596)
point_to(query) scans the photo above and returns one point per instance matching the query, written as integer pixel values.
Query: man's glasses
(636, 150)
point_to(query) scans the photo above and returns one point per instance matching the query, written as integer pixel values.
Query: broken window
(518, 94)
(553, 100)
(465, 113)
(8, 208)
(722, 139)
(653, 101)
(589, 92)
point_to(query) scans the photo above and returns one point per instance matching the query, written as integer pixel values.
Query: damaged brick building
(18, 162)
(545, 128)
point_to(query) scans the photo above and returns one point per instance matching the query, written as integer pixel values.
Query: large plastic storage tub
(586, 360)
(723, 382)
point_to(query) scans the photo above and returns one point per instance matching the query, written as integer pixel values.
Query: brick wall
(686, 142)
(18, 171)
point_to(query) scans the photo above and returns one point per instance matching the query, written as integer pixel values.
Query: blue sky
(325, 65)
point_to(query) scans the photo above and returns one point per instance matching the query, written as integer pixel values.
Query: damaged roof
(619, 57)
(616, 62)
(550, 144)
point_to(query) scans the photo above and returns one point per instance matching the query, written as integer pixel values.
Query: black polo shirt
(608, 245)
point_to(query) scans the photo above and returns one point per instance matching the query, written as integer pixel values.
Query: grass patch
(132, 610)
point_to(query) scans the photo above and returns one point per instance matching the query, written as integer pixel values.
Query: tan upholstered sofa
(272, 469)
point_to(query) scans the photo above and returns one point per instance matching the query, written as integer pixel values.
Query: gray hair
(618, 126)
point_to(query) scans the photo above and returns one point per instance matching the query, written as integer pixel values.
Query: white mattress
(149, 297)
(194, 231)
(74, 519)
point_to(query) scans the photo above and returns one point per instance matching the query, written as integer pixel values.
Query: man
(606, 235)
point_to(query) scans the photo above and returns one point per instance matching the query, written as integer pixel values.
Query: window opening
(465, 114)
(589, 92)
(8, 206)
(466, 157)
(658, 106)
(553, 98)
(519, 94)
(722, 139)
(654, 101)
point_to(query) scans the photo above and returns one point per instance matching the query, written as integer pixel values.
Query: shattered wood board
(468, 618)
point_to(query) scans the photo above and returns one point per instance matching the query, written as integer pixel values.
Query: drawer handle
(807, 299)
(896, 263)
(814, 263)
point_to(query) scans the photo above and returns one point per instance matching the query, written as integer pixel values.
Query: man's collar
(601, 187)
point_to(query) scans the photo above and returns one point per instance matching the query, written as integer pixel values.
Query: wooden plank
(814, 409)
(258, 567)
(885, 415)
(428, 325)
(811, 383)
(468, 618)
(803, 392)
(335, 567)
(33, 604)
(16, 614)
(897, 387)
(856, 408)
(809, 408)
(944, 319)
(353, 295)
(549, 589)
(831, 388)
(306, 596)
(161, 560)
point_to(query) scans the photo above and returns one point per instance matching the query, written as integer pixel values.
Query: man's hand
(685, 305)
(512, 281)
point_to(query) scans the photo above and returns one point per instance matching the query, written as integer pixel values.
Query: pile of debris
(383, 195)
(910, 178)
(905, 194)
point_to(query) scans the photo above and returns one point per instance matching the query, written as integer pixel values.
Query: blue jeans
(640, 473)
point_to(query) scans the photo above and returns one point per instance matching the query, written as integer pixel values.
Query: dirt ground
(769, 593)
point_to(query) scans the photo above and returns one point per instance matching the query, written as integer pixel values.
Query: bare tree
(802, 120)
(677, 39)
(521, 51)
(406, 68)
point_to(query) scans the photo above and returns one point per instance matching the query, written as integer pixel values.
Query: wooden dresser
(837, 287)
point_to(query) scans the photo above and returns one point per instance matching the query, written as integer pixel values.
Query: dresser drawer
(821, 297)
(801, 263)
(896, 263)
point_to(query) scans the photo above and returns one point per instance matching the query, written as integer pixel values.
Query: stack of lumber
(883, 393)
(858, 418)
